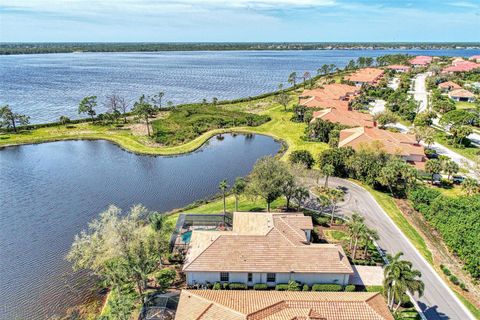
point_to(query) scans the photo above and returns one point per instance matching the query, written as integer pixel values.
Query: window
(224, 276)
(271, 277)
(250, 277)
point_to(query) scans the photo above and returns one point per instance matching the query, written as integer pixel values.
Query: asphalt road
(438, 301)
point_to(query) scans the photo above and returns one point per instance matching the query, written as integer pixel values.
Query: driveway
(438, 301)
(378, 106)
(420, 91)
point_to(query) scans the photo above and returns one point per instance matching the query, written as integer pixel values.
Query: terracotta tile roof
(461, 66)
(366, 75)
(330, 95)
(319, 103)
(278, 305)
(461, 93)
(347, 118)
(284, 248)
(475, 58)
(449, 85)
(390, 142)
(421, 60)
(398, 67)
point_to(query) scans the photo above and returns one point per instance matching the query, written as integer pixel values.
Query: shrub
(445, 270)
(282, 287)
(463, 286)
(260, 286)
(422, 197)
(237, 286)
(305, 287)
(326, 287)
(217, 286)
(454, 279)
(350, 288)
(165, 278)
(293, 286)
(303, 157)
(225, 286)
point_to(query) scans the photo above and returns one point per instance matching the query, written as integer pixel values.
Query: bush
(463, 286)
(422, 197)
(260, 286)
(293, 286)
(282, 287)
(350, 288)
(303, 157)
(237, 286)
(326, 287)
(225, 286)
(165, 278)
(305, 287)
(454, 279)
(445, 270)
(217, 286)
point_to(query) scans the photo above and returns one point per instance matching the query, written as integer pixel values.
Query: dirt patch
(440, 252)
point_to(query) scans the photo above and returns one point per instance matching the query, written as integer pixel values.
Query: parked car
(458, 179)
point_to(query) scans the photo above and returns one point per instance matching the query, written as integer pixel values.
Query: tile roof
(461, 66)
(398, 67)
(449, 85)
(421, 60)
(461, 93)
(475, 58)
(279, 305)
(366, 75)
(390, 142)
(319, 103)
(347, 118)
(283, 248)
(330, 95)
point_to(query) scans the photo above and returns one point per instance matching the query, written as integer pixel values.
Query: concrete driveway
(438, 301)
(420, 91)
(367, 276)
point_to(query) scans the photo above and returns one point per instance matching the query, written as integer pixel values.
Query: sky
(239, 20)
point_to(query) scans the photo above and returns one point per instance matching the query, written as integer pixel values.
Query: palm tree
(334, 195)
(470, 186)
(237, 189)
(368, 235)
(327, 171)
(355, 228)
(223, 186)
(400, 278)
(306, 76)
(292, 79)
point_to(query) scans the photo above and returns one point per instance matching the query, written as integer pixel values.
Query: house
(264, 247)
(334, 95)
(281, 305)
(345, 117)
(398, 68)
(475, 58)
(461, 66)
(421, 61)
(393, 143)
(462, 95)
(363, 76)
(448, 86)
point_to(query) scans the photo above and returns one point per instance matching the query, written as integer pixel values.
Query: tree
(301, 194)
(88, 105)
(238, 189)
(292, 79)
(355, 228)
(470, 186)
(144, 110)
(214, 101)
(283, 99)
(289, 187)
(10, 119)
(306, 76)
(368, 235)
(267, 179)
(64, 120)
(327, 170)
(323, 69)
(433, 166)
(400, 278)
(334, 196)
(429, 136)
(386, 117)
(459, 133)
(117, 104)
(165, 278)
(450, 167)
(126, 238)
(303, 157)
(223, 186)
(157, 100)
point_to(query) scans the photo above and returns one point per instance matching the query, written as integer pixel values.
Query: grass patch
(388, 204)
(474, 310)
(186, 123)
(463, 105)
(468, 152)
(335, 235)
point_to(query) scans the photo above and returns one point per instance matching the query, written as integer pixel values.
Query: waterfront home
(281, 305)
(267, 248)
(462, 95)
(448, 86)
(370, 76)
(334, 95)
(398, 68)
(403, 145)
(475, 58)
(461, 66)
(421, 61)
(345, 117)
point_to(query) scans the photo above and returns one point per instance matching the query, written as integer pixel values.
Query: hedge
(326, 287)
(282, 287)
(305, 287)
(260, 286)
(217, 286)
(237, 286)
(350, 288)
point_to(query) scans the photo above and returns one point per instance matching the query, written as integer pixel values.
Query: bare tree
(117, 104)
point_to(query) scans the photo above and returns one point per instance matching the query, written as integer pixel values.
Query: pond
(49, 192)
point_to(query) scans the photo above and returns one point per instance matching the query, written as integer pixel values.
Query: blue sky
(239, 20)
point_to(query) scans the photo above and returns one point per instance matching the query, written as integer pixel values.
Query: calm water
(49, 192)
(48, 86)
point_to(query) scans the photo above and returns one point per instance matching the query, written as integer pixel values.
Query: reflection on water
(49, 192)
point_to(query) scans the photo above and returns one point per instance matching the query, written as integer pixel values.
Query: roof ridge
(211, 303)
(267, 307)
(198, 255)
(285, 235)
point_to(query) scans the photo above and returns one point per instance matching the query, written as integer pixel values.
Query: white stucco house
(269, 248)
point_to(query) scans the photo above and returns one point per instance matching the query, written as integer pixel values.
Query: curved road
(438, 301)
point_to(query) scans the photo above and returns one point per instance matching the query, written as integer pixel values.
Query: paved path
(378, 106)
(438, 301)
(420, 91)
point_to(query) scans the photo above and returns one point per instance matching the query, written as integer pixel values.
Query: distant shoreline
(70, 47)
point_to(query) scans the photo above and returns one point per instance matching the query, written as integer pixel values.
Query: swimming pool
(187, 236)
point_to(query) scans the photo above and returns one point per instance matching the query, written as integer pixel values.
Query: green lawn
(469, 153)
(335, 235)
(464, 105)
